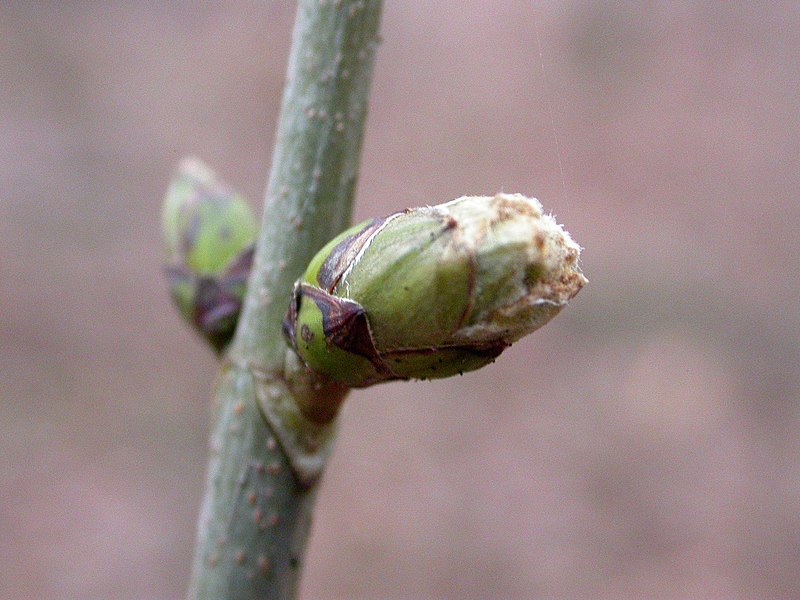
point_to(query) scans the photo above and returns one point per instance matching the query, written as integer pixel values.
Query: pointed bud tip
(191, 167)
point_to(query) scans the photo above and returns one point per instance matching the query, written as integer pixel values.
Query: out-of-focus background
(642, 445)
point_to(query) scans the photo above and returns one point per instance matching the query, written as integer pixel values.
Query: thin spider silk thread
(549, 103)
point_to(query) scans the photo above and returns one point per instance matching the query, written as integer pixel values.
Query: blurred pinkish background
(644, 445)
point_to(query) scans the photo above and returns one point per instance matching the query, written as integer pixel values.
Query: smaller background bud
(209, 231)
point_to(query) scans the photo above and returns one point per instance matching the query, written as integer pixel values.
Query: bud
(209, 231)
(431, 292)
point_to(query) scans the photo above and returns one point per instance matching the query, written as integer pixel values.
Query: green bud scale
(431, 292)
(209, 231)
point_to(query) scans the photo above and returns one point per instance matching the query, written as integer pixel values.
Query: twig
(267, 453)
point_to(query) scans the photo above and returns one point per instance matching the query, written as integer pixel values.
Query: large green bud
(431, 292)
(209, 232)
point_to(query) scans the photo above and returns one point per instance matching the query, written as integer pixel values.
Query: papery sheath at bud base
(209, 231)
(431, 292)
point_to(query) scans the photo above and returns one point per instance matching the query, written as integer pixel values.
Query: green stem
(315, 164)
(273, 422)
